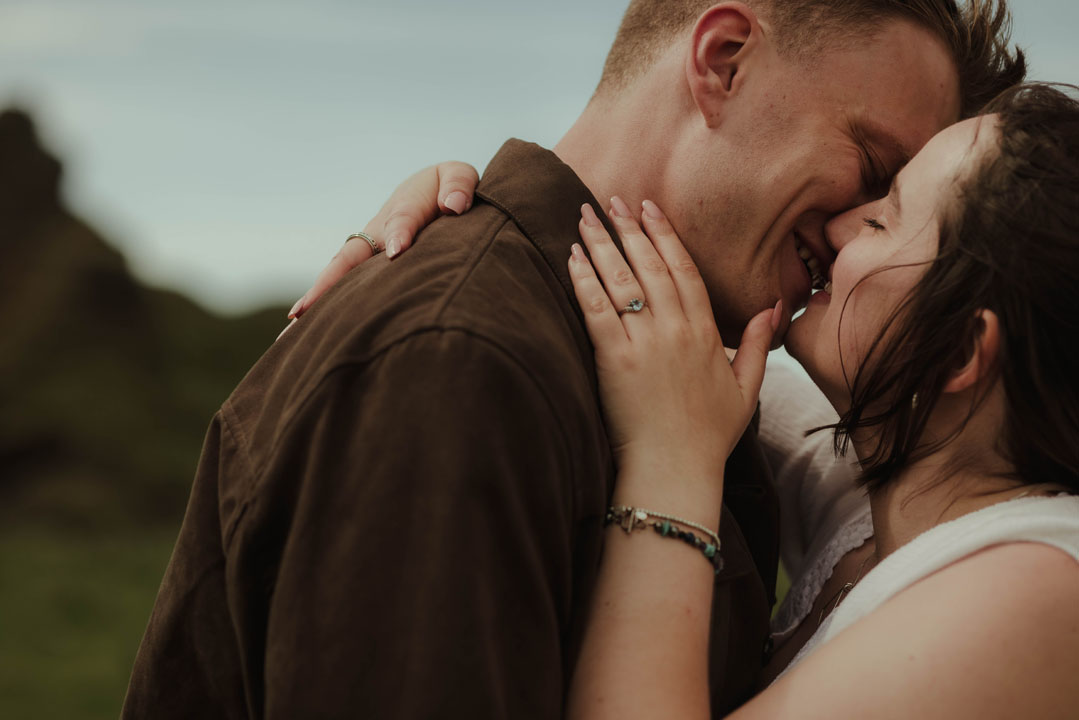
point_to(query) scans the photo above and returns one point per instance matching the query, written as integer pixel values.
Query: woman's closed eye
(872, 222)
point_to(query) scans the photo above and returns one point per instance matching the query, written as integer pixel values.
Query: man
(399, 511)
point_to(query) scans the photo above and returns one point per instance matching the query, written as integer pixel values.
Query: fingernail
(589, 215)
(619, 208)
(296, 308)
(456, 201)
(393, 246)
(577, 252)
(652, 210)
(777, 315)
(286, 329)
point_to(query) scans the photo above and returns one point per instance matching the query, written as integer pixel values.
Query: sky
(228, 147)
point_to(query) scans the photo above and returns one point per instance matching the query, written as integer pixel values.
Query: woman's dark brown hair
(1008, 243)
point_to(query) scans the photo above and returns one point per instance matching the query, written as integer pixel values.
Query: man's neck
(599, 156)
(622, 143)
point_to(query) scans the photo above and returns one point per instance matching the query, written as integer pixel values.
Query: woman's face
(897, 235)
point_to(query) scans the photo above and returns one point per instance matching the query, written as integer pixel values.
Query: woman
(944, 343)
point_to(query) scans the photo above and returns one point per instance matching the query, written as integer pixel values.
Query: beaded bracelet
(630, 519)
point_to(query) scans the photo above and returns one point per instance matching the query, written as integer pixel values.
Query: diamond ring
(635, 306)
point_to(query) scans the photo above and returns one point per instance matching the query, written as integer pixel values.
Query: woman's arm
(675, 407)
(645, 652)
(992, 636)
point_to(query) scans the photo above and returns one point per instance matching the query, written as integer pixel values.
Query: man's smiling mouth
(817, 274)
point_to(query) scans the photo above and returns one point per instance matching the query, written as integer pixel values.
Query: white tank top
(1049, 520)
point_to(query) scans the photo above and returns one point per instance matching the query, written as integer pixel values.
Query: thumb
(456, 184)
(749, 361)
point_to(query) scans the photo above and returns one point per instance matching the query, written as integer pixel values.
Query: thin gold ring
(375, 249)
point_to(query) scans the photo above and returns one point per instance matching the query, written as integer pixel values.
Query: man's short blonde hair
(977, 35)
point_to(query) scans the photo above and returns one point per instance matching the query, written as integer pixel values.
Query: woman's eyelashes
(872, 222)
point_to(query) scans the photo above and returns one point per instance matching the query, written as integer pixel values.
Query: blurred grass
(783, 586)
(73, 607)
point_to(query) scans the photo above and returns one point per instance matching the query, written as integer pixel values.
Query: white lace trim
(1051, 521)
(805, 589)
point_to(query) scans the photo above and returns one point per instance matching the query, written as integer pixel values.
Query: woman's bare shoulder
(993, 635)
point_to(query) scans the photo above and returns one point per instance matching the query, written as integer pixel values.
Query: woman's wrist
(702, 538)
(693, 494)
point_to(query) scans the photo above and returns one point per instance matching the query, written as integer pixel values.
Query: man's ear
(985, 347)
(722, 39)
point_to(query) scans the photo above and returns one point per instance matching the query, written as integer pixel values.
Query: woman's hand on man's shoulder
(444, 189)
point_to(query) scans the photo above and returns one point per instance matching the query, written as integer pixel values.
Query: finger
(609, 264)
(683, 271)
(456, 185)
(401, 226)
(349, 256)
(748, 365)
(413, 206)
(600, 317)
(645, 260)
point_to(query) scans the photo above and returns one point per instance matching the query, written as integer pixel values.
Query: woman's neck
(930, 493)
(967, 474)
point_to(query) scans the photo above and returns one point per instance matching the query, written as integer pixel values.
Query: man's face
(799, 144)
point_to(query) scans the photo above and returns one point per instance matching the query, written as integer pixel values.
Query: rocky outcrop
(106, 385)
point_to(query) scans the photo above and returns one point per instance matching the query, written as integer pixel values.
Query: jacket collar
(543, 196)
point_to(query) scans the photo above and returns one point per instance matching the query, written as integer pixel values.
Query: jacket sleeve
(424, 571)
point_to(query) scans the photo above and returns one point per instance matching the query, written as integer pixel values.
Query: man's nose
(841, 229)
